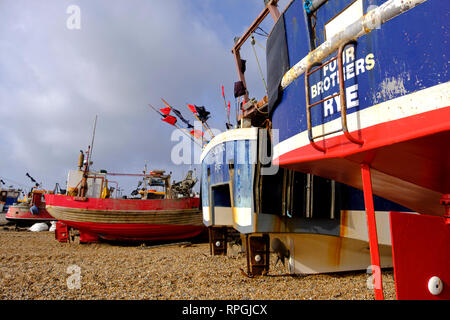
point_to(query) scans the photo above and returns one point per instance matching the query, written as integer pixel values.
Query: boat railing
(343, 100)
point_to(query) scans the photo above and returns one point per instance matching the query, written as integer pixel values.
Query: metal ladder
(341, 93)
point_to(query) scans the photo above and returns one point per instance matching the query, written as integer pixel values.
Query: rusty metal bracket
(258, 254)
(218, 240)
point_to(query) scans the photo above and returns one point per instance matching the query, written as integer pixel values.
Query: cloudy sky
(54, 80)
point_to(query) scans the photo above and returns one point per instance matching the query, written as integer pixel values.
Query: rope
(257, 61)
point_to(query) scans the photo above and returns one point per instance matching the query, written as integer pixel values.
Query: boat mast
(93, 136)
(83, 187)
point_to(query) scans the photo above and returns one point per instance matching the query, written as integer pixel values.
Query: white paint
(230, 135)
(435, 286)
(344, 19)
(388, 10)
(429, 99)
(243, 217)
(205, 213)
(94, 189)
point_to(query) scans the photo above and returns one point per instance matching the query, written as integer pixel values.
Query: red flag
(165, 111)
(192, 108)
(223, 92)
(169, 119)
(229, 106)
(197, 133)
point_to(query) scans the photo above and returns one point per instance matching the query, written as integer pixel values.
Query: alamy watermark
(73, 22)
(74, 280)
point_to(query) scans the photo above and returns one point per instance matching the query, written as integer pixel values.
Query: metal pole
(372, 230)
(93, 136)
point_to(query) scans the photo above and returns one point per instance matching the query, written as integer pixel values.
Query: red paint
(128, 231)
(121, 204)
(411, 149)
(22, 214)
(137, 231)
(372, 229)
(88, 237)
(420, 250)
(445, 201)
(61, 232)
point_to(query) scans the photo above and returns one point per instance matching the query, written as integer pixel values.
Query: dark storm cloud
(127, 54)
(54, 80)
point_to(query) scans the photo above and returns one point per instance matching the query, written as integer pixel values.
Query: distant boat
(30, 211)
(169, 214)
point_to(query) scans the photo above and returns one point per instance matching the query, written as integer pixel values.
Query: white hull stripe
(205, 213)
(425, 100)
(243, 216)
(230, 135)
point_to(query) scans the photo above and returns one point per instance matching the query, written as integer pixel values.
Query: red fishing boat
(30, 211)
(170, 213)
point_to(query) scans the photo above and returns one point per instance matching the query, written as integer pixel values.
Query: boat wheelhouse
(93, 208)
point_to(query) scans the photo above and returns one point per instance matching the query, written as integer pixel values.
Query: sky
(60, 68)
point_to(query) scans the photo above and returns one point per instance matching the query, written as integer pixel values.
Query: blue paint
(411, 49)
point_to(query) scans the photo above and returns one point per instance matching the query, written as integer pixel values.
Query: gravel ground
(36, 266)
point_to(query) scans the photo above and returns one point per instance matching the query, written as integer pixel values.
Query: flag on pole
(192, 108)
(203, 115)
(197, 133)
(180, 116)
(165, 111)
(169, 119)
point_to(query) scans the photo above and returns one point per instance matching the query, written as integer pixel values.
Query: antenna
(93, 136)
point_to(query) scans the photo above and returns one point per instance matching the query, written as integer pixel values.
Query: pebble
(33, 265)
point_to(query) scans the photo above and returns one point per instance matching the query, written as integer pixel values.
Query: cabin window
(299, 195)
(221, 195)
(271, 193)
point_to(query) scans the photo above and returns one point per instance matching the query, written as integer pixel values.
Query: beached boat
(367, 103)
(358, 94)
(373, 89)
(30, 211)
(319, 221)
(8, 196)
(168, 214)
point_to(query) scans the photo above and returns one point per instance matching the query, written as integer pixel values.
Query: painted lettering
(360, 66)
(370, 61)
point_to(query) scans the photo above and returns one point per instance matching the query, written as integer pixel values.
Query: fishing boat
(366, 102)
(8, 196)
(358, 99)
(31, 210)
(320, 222)
(159, 211)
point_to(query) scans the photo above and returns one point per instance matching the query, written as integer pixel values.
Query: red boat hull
(128, 219)
(409, 160)
(137, 231)
(21, 214)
